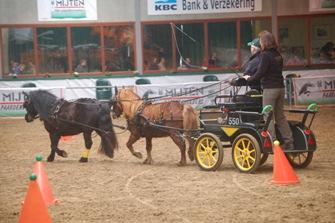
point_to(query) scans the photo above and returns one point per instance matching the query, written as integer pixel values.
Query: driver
(250, 67)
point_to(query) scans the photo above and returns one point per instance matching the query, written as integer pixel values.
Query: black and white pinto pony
(63, 118)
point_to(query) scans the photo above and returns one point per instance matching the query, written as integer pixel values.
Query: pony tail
(190, 119)
(108, 137)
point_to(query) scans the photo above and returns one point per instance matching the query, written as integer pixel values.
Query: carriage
(241, 123)
(236, 120)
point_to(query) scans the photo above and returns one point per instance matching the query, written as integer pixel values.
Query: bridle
(27, 104)
(118, 105)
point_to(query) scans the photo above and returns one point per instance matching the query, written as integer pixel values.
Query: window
(86, 49)
(292, 39)
(222, 43)
(18, 51)
(189, 40)
(157, 48)
(323, 40)
(249, 31)
(52, 47)
(119, 48)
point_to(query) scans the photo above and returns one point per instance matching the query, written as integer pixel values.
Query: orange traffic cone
(43, 183)
(283, 173)
(34, 209)
(66, 138)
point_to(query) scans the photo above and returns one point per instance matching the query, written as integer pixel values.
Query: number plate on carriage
(234, 119)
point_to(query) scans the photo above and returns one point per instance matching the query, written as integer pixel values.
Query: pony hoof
(63, 154)
(83, 160)
(138, 155)
(191, 156)
(50, 159)
(149, 162)
(181, 164)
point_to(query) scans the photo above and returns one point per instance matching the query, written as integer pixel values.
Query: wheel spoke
(243, 144)
(201, 152)
(209, 161)
(238, 156)
(252, 158)
(248, 145)
(213, 158)
(243, 160)
(239, 149)
(248, 163)
(204, 160)
(252, 151)
(212, 144)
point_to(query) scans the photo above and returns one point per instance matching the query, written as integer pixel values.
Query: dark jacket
(269, 70)
(251, 68)
(252, 63)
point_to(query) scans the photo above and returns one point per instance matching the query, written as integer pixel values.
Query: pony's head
(116, 106)
(29, 106)
(121, 99)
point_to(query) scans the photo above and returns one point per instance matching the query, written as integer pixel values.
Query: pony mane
(43, 102)
(87, 101)
(129, 94)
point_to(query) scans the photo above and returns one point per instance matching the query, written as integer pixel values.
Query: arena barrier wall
(320, 89)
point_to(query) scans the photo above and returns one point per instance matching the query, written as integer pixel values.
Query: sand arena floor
(125, 190)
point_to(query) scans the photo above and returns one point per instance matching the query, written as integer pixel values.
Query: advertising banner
(11, 100)
(55, 10)
(315, 89)
(196, 94)
(170, 7)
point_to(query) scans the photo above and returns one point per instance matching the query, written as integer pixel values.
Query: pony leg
(148, 147)
(132, 139)
(180, 142)
(61, 153)
(54, 138)
(88, 145)
(190, 150)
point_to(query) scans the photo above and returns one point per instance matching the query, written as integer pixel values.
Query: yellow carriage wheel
(300, 160)
(246, 153)
(208, 152)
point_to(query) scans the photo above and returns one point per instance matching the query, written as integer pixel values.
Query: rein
(207, 95)
(186, 93)
(91, 127)
(169, 128)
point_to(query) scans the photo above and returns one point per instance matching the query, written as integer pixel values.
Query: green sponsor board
(73, 14)
(12, 109)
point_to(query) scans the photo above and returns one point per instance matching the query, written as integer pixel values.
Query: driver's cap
(255, 42)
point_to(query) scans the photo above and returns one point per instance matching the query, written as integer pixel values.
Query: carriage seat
(250, 101)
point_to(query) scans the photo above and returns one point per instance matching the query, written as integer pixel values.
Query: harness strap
(138, 116)
(56, 108)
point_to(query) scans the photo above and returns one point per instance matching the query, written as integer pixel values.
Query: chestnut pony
(140, 115)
